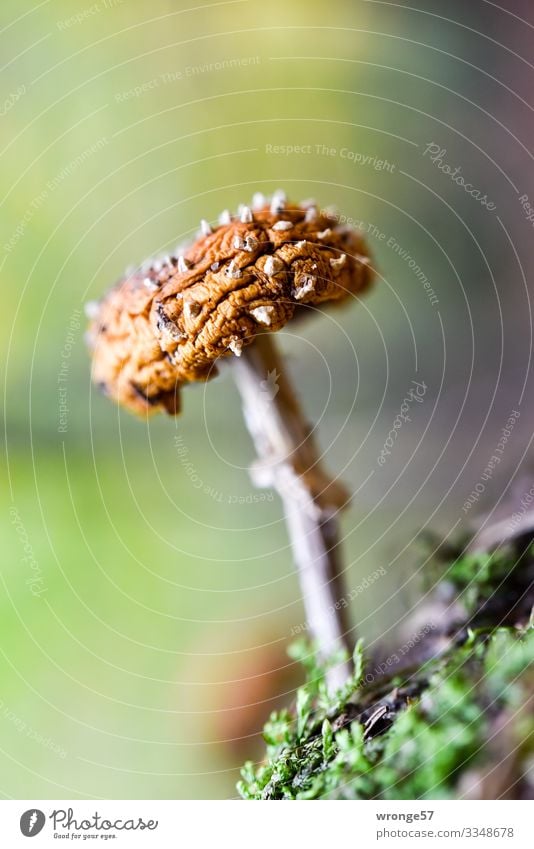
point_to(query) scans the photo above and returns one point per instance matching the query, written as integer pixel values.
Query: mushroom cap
(128, 362)
(168, 323)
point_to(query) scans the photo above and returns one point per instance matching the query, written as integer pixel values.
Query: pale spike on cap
(324, 234)
(236, 347)
(233, 270)
(251, 243)
(263, 315)
(338, 262)
(246, 215)
(258, 200)
(150, 284)
(273, 265)
(311, 213)
(205, 227)
(225, 217)
(278, 202)
(307, 286)
(283, 225)
(238, 243)
(191, 309)
(183, 264)
(91, 309)
(363, 260)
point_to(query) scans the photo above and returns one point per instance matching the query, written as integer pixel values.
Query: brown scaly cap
(128, 362)
(167, 325)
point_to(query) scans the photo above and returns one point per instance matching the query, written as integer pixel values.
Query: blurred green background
(146, 601)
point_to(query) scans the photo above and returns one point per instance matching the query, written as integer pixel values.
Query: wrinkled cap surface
(168, 323)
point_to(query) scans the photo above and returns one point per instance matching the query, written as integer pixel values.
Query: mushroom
(173, 320)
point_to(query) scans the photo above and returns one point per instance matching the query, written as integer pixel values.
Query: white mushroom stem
(288, 462)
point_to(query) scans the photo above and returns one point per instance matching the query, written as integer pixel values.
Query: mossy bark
(451, 718)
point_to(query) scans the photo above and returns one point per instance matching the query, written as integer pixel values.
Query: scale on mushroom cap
(169, 322)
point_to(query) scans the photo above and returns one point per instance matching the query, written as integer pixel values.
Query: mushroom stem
(289, 462)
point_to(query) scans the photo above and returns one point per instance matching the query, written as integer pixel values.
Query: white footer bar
(262, 825)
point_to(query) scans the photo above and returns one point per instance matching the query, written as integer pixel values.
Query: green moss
(478, 577)
(411, 737)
